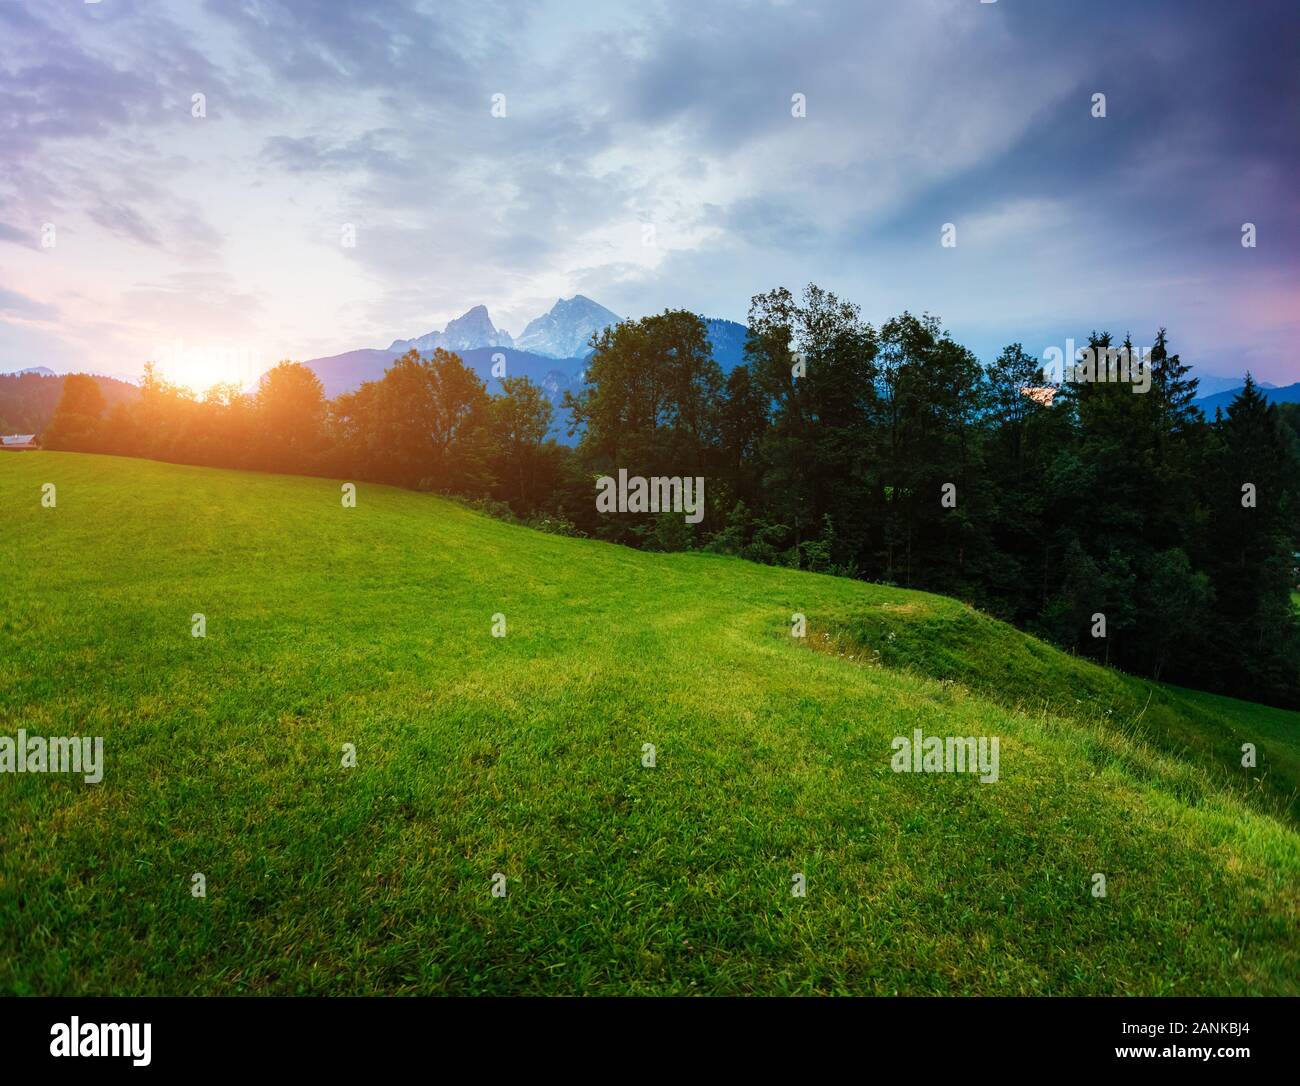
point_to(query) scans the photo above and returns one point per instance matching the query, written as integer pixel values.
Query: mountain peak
(566, 330)
(471, 329)
(563, 332)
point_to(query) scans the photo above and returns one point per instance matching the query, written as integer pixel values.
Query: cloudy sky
(131, 228)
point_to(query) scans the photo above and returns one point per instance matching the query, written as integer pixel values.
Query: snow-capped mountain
(472, 329)
(552, 352)
(566, 330)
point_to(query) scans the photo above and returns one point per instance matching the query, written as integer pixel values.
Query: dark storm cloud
(1199, 101)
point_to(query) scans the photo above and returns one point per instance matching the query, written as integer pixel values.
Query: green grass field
(523, 755)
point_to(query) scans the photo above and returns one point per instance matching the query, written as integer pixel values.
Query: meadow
(525, 755)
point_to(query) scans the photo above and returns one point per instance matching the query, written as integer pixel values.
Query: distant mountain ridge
(1209, 383)
(1271, 393)
(348, 371)
(35, 371)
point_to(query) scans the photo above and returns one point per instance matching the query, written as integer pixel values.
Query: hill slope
(523, 755)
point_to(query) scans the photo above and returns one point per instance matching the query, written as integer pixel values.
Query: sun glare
(200, 366)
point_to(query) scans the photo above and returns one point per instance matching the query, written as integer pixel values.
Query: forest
(1120, 524)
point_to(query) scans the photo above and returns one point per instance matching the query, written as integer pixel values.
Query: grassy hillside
(523, 755)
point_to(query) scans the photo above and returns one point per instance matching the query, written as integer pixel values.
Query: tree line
(889, 454)
(28, 400)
